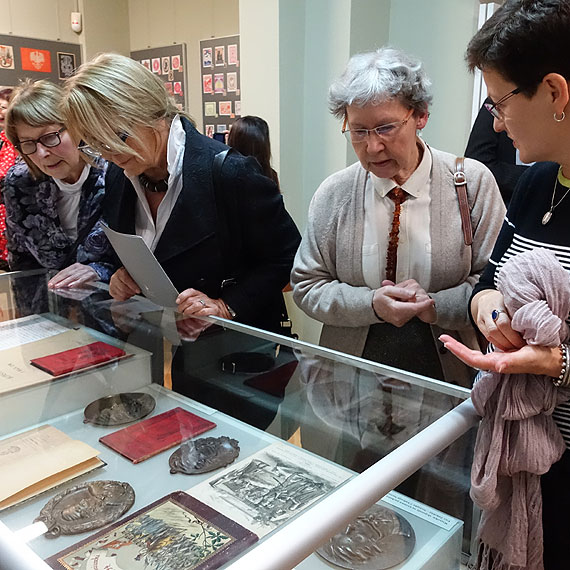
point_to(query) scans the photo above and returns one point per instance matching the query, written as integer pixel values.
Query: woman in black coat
(217, 226)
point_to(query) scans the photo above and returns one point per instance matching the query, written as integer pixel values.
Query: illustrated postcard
(176, 531)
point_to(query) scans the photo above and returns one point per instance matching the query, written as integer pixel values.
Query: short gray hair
(381, 75)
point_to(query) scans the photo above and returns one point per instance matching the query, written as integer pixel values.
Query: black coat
(496, 151)
(241, 231)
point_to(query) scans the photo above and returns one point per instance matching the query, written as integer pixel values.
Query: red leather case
(78, 358)
(154, 435)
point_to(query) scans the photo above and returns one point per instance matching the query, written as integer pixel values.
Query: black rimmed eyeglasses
(493, 108)
(49, 140)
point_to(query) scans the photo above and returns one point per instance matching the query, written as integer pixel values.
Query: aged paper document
(40, 459)
(16, 372)
(27, 329)
(269, 487)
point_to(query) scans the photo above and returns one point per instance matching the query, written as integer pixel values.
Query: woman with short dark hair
(522, 51)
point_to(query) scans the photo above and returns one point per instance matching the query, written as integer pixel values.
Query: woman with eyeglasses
(383, 260)
(53, 198)
(216, 225)
(522, 51)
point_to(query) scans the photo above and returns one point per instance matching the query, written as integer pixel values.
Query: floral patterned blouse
(33, 229)
(8, 155)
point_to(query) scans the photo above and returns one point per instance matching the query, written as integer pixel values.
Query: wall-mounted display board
(21, 58)
(221, 100)
(169, 63)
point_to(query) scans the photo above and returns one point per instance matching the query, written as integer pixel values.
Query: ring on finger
(495, 314)
(201, 301)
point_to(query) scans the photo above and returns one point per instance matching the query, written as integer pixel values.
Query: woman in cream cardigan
(340, 272)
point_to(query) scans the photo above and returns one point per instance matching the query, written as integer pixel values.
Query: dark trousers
(555, 514)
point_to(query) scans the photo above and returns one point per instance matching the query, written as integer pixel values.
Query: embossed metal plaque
(203, 454)
(376, 540)
(119, 409)
(86, 507)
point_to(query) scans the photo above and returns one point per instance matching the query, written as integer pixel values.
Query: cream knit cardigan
(327, 275)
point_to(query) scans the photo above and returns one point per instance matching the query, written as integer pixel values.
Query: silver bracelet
(563, 379)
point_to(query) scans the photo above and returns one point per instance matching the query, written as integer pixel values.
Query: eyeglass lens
(48, 140)
(382, 131)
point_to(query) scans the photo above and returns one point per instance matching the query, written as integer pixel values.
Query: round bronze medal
(86, 507)
(376, 540)
(119, 409)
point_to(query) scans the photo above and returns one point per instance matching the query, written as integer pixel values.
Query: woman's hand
(397, 304)
(75, 275)
(486, 305)
(530, 359)
(122, 286)
(192, 302)
(428, 315)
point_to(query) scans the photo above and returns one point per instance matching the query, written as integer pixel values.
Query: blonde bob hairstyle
(36, 104)
(112, 96)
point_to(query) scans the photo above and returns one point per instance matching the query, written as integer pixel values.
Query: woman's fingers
(122, 286)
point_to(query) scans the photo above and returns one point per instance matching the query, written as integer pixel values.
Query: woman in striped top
(522, 52)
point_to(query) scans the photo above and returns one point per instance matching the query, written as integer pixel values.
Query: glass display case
(109, 410)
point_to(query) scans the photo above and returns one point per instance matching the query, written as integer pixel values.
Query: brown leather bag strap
(460, 181)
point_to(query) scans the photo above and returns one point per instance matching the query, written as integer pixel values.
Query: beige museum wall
(105, 22)
(155, 23)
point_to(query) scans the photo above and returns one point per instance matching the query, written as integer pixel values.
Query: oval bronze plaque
(203, 455)
(119, 409)
(376, 540)
(86, 507)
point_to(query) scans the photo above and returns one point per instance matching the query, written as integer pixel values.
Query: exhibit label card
(176, 531)
(271, 486)
(422, 511)
(154, 435)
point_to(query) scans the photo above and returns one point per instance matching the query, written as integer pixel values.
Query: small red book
(154, 435)
(78, 358)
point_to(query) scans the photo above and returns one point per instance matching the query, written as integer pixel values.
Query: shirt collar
(415, 184)
(174, 151)
(176, 144)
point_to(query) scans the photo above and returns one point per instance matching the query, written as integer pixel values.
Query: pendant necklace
(548, 216)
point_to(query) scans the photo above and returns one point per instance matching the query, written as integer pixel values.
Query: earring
(561, 118)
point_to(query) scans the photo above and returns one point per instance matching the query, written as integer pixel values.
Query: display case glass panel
(305, 420)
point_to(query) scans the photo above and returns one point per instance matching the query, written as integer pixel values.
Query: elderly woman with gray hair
(385, 263)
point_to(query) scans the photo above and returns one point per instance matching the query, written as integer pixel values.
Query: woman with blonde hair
(53, 198)
(216, 225)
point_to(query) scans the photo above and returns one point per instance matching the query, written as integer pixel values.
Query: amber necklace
(548, 215)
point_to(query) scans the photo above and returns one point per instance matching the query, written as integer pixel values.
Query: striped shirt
(523, 230)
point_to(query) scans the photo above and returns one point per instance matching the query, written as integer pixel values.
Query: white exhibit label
(420, 510)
